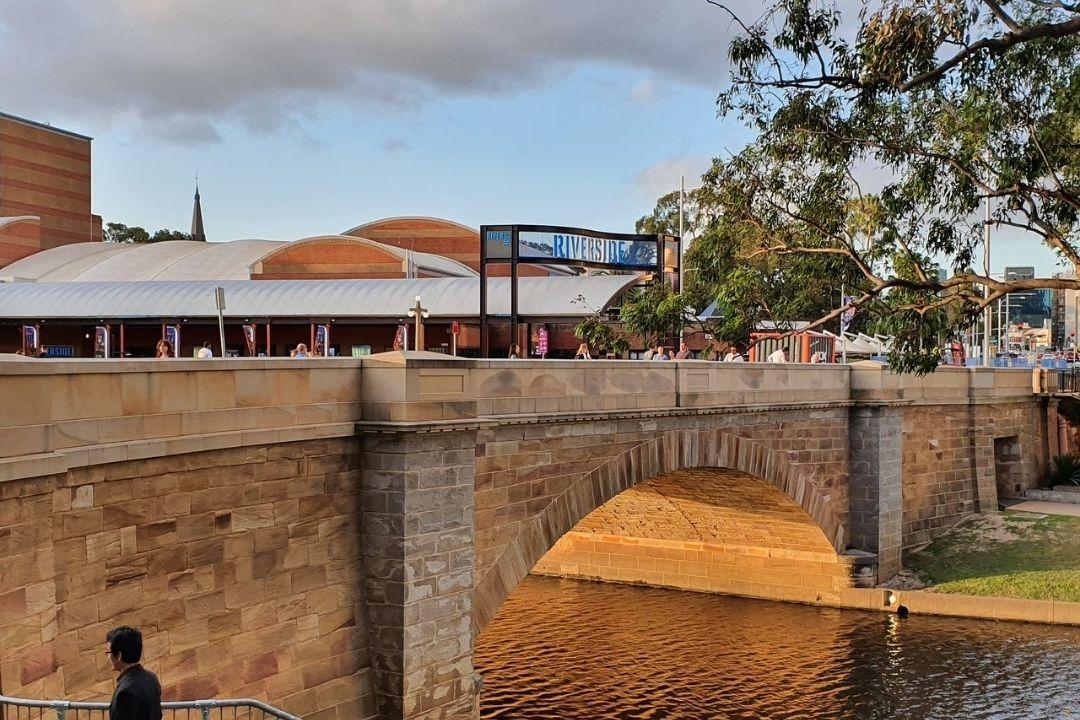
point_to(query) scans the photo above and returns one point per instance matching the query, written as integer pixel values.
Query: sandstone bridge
(330, 535)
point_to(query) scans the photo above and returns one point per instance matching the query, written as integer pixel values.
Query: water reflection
(563, 649)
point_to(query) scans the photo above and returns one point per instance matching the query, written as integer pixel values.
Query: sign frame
(509, 237)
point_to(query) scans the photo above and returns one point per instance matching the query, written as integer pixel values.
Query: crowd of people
(661, 352)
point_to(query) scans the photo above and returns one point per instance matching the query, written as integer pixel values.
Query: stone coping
(921, 602)
(89, 366)
(28, 466)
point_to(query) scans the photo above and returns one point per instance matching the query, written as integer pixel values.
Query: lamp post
(419, 313)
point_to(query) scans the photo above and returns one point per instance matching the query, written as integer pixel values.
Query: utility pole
(986, 286)
(682, 202)
(219, 300)
(420, 313)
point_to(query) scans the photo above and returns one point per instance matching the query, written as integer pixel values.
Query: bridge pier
(876, 485)
(419, 561)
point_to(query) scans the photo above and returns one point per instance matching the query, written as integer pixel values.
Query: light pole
(986, 287)
(420, 313)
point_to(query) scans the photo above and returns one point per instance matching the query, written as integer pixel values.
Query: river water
(574, 650)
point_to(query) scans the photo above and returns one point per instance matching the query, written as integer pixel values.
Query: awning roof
(175, 260)
(450, 298)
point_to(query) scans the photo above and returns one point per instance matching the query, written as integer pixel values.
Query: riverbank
(1008, 555)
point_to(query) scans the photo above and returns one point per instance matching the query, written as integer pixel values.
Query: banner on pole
(171, 335)
(30, 339)
(249, 338)
(542, 342)
(322, 341)
(849, 313)
(101, 341)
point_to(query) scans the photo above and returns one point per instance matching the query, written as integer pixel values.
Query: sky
(307, 118)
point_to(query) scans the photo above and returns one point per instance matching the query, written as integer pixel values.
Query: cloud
(183, 68)
(663, 176)
(394, 145)
(644, 92)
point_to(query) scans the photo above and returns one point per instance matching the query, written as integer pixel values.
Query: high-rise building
(44, 189)
(1030, 307)
(1066, 311)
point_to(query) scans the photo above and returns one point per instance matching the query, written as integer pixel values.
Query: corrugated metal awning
(450, 298)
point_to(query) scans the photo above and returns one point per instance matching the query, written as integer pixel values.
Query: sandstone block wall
(948, 464)
(239, 565)
(419, 564)
(530, 471)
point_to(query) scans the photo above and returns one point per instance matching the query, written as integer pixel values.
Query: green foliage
(874, 152)
(601, 336)
(1066, 470)
(120, 233)
(656, 313)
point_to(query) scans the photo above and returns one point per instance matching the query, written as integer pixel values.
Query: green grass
(1040, 561)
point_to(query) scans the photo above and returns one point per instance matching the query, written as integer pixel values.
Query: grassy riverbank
(1007, 555)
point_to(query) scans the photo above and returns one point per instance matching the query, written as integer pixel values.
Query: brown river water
(570, 650)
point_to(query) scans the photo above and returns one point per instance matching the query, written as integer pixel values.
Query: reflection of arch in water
(672, 451)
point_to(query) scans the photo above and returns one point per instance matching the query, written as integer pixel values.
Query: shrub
(1066, 470)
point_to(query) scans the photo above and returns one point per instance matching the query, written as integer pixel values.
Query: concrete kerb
(922, 602)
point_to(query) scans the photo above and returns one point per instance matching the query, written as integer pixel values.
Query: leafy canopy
(880, 134)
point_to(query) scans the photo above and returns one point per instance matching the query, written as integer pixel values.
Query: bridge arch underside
(706, 529)
(801, 456)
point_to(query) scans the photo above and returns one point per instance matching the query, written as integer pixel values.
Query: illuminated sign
(585, 248)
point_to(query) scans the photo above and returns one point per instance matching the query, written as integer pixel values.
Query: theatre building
(347, 294)
(44, 189)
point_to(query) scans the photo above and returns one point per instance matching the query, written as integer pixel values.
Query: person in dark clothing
(138, 692)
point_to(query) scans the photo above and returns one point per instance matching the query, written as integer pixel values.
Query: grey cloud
(394, 145)
(263, 63)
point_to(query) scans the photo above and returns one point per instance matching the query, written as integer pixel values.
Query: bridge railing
(240, 709)
(1062, 381)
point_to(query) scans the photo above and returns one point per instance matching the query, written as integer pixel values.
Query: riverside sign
(649, 255)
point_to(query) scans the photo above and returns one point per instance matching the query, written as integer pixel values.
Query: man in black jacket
(138, 692)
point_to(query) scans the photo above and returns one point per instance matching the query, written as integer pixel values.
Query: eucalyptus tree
(881, 132)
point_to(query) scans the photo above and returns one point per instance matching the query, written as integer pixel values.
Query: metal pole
(986, 288)
(843, 336)
(219, 300)
(682, 203)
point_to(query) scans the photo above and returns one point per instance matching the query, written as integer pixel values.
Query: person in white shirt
(205, 351)
(733, 356)
(777, 356)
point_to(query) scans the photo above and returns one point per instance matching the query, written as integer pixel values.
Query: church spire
(197, 231)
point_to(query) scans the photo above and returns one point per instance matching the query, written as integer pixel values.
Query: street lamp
(420, 313)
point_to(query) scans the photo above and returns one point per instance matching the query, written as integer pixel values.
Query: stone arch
(670, 451)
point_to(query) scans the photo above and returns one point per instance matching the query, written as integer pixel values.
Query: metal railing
(241, 709)
(1060, 381)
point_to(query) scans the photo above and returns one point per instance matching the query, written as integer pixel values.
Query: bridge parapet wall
(382, 450)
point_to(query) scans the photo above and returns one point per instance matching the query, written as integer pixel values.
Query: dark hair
(206, 344)
(127, 641)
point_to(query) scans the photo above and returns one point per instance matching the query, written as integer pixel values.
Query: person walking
(684, 352)
(205, 351)
(301, 351)
(164, 350)
(661, 353)
(138, 692)
(733, 355)
(515, 351)
(648, 354)
(583, 352)
(778, 355)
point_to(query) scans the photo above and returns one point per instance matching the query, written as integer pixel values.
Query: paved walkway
(1048, 508)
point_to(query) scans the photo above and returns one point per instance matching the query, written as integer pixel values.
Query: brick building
(44, 189)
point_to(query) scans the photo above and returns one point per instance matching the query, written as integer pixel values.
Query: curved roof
(422, 260)
(383, 221)
(450, 298)
(175, 260)
(62, 263)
